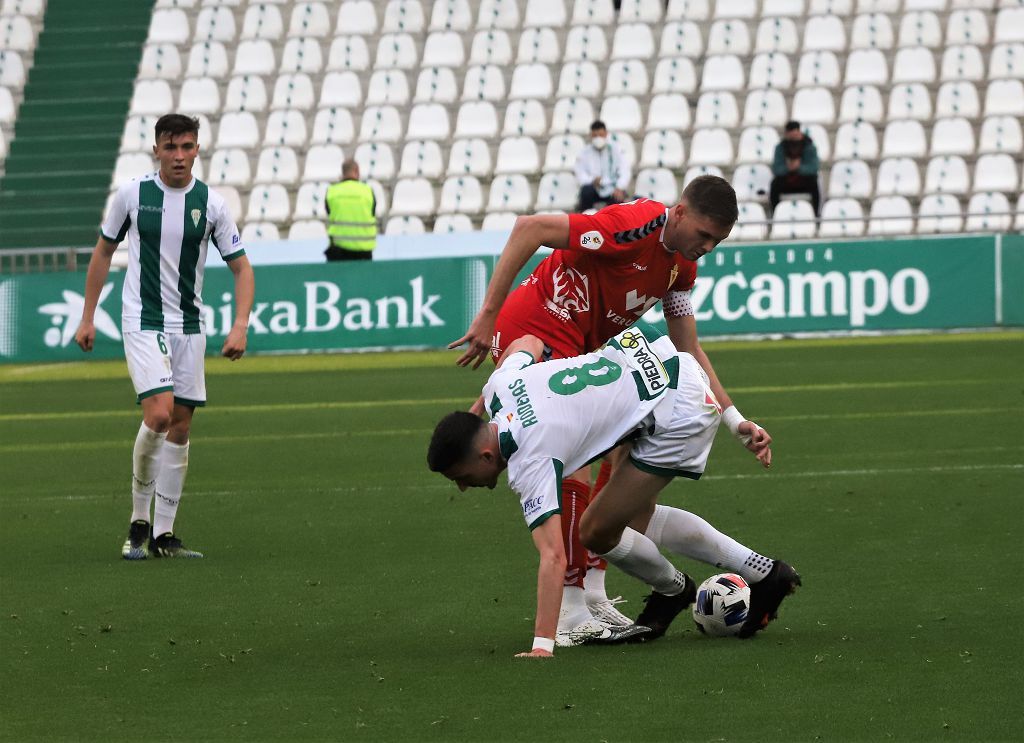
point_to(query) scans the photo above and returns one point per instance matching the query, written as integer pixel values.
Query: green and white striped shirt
(168, 230)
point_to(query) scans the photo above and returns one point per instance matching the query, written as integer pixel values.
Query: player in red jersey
(607, 269)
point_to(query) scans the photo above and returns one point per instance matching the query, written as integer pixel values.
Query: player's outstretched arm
(245, 292)
(550, 574)
(99, 268)
(528, 235)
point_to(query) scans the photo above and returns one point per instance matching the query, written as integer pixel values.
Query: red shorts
(524, 314)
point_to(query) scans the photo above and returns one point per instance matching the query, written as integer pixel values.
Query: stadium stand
(464, 112)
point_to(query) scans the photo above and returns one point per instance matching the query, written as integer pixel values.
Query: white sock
(689, 535)
(574, 608)
(593, 582)
(638, 556)
(169, 484)
(145, 466)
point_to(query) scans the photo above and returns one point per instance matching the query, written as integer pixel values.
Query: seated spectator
(795, 166)
(601, 170)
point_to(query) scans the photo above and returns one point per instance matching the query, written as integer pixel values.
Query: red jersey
(613, 270)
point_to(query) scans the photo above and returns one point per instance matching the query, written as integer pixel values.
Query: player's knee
(158, 420)
(594, 535)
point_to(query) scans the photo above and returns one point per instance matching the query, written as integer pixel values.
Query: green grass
(349, 594)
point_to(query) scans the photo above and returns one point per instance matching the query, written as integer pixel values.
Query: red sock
(575, 497)
(603, 476)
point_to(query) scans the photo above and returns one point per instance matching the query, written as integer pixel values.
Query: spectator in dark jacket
(795, 166)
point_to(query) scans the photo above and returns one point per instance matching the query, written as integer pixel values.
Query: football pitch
(350, 594)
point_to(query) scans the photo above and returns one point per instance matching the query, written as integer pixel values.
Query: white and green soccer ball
(722, 605)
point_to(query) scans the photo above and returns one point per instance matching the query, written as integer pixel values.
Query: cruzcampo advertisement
(879, 285)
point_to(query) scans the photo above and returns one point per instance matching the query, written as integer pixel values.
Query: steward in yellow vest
(352, 226)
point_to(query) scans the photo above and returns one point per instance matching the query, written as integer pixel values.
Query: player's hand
(477, 408)
(538, 653)
(85, 335)
(479, 337)
(234, 345)
(757, 440)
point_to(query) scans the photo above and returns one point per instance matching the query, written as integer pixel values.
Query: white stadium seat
(960, 98)
(262, 21)
(633, 41)
(158, 60)
(585, 43)
(404, 225)
(216, 24)
(1001, 134)
(380, 124)
(988, 212)
(1007, 60)
(245, 93)
(681, 39)
(841, 218)
(580, 79)
(208, 59)
(166, 26)
(229, 167)
(348, 53)
(662, 148)
(716, 109)
(953, 136)
(813, 105)
(757, 144)
(525, 117)
(356, 17)
(920, 28)
(483, 83)
(562, 151)
(333, 125)
(1005, 97)
(782, 8)
(770, 70)
(293, 92)
(910, 101)
(658, 184)
(962, 62)
(268, 203)
(341, 88)
(898, 176)
(287, 128)
(711, 147)
(469, 157)
(259, 232)
(820, 68)
(476, 119)
(752, 182)
(622, 113)
(674, 75)
(722, 72)
(824, 32)
(531, 81)
(491, 47)
(308, 229)
(323, 163)
(12, 69)
(309, 20)
(436, 85)
(498, 221)
(861, 103)
(600, 12)
(387, 87)
(538, 45)
(254, 57)
(131, 165)
(138, 133)
(914, 64)
(557, 191)
(728, 37)
(752, 223)
(996, 173)
(510, 193)
(277, 165)
(866, 67)
(856, 140)
(461, 194)
(572, 116)
(413, 197)
(309, 201)
(376, 161)
(403, 16)
(765, 108)
(777, 35)
(939, 213)
(967, 27)
(396, 50)
(850, 178)
(238, 129)
(498, 14)
(947, 174)
(904, 138)
(737, 8)
(793, 220)
(447, 223)
(1009, 24)
(891, 215)
(545, 13)
(517, 155)
(626, 76)
(872, 31)
(199, 95)
(428, 121)
(443, 49)
(149, 97)
(821, 141)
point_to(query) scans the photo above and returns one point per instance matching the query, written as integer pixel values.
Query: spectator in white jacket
(601, 170)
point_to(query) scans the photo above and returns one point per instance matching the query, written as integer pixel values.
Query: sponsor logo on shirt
(591, 240)
(149, 208)
(532, 505)
(235, 239)
(571, 290)
(648, 368)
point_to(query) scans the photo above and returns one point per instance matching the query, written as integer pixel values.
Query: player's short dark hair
(453, 440)
(714, 198)
(597, 126)
(176, 125)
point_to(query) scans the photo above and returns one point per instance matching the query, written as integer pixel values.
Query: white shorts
(167, 362)
(681, 448)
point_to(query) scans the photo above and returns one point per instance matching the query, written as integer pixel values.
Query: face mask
(599, 142)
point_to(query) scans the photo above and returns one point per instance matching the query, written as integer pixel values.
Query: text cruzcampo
(524, 408)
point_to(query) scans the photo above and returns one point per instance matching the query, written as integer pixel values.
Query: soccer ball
(722, 604)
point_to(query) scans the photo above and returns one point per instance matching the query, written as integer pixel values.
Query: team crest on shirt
(591, 240)
(570, 290)
(197, 214)
(673, 274)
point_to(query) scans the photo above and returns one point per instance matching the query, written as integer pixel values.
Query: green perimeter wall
(962, 282)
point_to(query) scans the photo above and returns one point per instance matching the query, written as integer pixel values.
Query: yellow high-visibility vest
(352, 225)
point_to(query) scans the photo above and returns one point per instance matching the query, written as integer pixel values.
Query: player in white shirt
(551, 418)
(168, 218)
